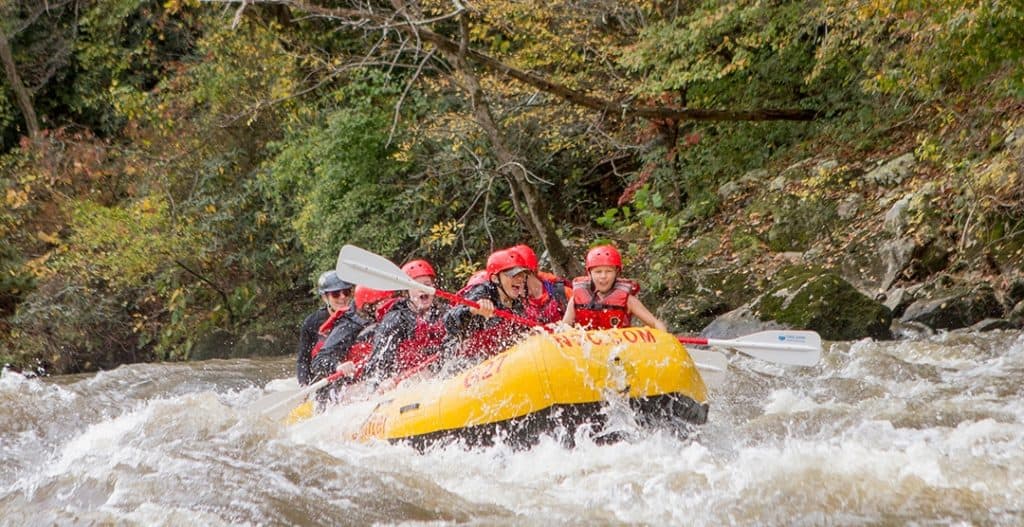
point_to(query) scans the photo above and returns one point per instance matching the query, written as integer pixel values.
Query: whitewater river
(924, 431)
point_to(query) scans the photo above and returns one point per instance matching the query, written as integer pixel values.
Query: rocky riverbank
(857, 248)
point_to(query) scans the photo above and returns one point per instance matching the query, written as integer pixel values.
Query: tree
(14, 81)
(429, 31)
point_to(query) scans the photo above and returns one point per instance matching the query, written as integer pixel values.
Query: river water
(923, 431)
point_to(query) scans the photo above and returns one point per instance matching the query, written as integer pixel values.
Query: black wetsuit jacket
(344, 334)
(307, 339)
(397, 326)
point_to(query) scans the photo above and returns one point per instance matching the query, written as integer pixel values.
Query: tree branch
(571, 95)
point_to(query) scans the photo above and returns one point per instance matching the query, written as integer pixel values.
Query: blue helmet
(329, 281)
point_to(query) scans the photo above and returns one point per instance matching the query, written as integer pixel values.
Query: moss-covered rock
(798, 222)
(811, 298)
(695, 302)
(955, 307)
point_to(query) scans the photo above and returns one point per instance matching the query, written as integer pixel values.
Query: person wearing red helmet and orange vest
(602, 299)
(336, 295)
(413, 330)
(546, 294)
(349, 329)
(475, 333)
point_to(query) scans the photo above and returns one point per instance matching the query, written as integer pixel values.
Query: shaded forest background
(174, 173)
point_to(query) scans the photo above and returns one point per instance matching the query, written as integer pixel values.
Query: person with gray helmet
(337, 296)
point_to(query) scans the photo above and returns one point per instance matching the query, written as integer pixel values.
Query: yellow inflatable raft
(546, 382)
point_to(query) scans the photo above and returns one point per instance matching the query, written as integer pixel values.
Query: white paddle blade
(277, 405)
(797, 348)
(362, 267)
(709, 361)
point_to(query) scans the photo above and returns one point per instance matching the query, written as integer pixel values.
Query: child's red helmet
(603, 255)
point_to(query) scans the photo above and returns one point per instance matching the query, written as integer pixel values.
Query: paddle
(277, 405)
(360, 266)
(797, 348)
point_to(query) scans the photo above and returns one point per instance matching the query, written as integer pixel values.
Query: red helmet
(478, 278)
(528, 255)
(505, 260)
(418, 268)
(365, 295)
(603, 255)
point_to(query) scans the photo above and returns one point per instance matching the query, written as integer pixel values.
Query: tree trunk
(24, 100)
(533, 212)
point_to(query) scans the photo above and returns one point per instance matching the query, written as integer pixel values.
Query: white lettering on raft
(631, 336)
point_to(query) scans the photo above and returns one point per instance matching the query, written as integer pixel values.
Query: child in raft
(604, 300)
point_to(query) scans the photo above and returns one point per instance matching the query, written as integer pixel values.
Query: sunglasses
(341, 292)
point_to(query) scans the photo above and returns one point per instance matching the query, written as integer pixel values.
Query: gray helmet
(329, 281)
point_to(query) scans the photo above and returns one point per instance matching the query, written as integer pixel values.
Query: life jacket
(544, 309)
(490, 341)
(360, 351)
(426, 340)
(479, 337)
(324, 330)
(558, 287)
(605, 313)
(385, 306)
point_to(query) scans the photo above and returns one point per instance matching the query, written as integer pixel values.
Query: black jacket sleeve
(459, 320)
(307, 339)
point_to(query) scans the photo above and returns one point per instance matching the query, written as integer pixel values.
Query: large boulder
(738, 322)
(892, 172)
(803, 297)
(812, 298)
(955, 307)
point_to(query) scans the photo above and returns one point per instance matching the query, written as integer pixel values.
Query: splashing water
(925, 432)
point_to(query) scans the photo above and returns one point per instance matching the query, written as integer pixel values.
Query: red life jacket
(360, 351)
(324, 330)
(605, 313)
(425, 342)
(491, 341)
(544, 309)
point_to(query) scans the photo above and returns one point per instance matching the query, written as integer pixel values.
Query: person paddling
(413, 330)
(475, 333)
(602, 299)
(336, 295)
(347, 345)
(546, 294)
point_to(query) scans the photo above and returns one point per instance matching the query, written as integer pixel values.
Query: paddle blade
(362, 267)
(797, 348)
(276, 406)
(709, 361)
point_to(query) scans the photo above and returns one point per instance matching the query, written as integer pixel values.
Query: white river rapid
(923, 431)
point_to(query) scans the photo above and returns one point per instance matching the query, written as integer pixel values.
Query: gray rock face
(808, 298)
(848, 208)
(895, 222)
(956, 308)
(896, 254)
(897, 300)
(736, 323)
(893, 172)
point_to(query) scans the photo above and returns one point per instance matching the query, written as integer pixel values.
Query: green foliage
(15, 282)
(948, 45)
(212, 168)
(123, 245)
(338, 185)
(723, 50)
